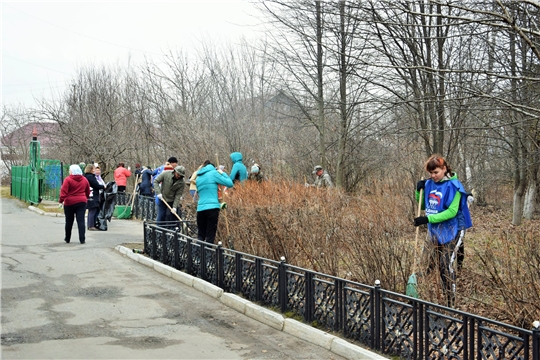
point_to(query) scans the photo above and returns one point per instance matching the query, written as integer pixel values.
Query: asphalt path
(74, 301)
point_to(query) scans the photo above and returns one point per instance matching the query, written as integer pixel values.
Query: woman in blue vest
(447, 216)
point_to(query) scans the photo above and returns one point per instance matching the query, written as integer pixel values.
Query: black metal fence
(389, 322)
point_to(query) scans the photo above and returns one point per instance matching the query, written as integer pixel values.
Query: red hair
(437, 161)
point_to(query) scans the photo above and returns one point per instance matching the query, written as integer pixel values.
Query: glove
(420, 185)
(307, 185)
(223, 206)
(470, 198)
(129, 168)
(173, 210)
(421, 220)
(160, 196)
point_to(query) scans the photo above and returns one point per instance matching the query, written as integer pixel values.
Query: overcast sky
(43, 43)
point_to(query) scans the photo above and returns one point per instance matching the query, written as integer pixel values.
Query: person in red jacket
(120, 176)
(74, 194)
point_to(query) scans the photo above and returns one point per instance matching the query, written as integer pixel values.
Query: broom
(412, 283)
(126, 214)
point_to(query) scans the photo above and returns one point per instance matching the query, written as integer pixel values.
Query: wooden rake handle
(417, 230)
(169, 206)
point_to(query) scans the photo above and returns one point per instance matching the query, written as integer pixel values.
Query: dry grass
(5, 191)
(371, 236)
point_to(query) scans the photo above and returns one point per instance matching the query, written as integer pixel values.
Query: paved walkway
(73, 301)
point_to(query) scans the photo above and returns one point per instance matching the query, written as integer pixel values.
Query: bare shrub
(370, 236)
(507, 269)
(363, 238)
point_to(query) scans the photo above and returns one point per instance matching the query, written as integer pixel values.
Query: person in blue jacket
(208, 206)
(146, 185)
(447, 216)
(239, 171)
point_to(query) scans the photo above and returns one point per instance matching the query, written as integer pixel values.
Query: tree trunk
(342, 144)
(529, 205)
(320, 97)
(518, 150)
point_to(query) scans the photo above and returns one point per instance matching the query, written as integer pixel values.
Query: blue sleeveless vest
(438, 197)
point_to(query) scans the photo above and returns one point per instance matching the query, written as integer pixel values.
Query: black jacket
(95, 186)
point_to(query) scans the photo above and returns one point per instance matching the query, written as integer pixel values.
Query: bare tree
(96, 123)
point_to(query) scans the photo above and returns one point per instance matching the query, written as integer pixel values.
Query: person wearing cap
(322, 179)
(74, 194)
(120, 176)
(208, 207)
(256, 174)
(171, 163)
(169, 187)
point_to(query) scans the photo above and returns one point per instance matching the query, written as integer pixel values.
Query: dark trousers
(75, 211)
(447, 255)
(91, 221)
(163, 212)
(207, 221)
(165, 218)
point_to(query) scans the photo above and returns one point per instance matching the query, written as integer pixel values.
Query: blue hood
(205, 169)
(236, 157)
(239, 170)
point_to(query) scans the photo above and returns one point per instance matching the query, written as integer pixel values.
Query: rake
(412, 283)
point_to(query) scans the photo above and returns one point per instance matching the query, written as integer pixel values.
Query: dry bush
(501, 277)
(370, 236)
(363, 238)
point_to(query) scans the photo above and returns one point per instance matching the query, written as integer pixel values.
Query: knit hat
(254, 169)
(168, 166)
(317, 168)
(75, 169)
(180, 170)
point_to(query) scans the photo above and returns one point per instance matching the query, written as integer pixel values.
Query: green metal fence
(20, 182)
(40, 180)
(52, 179)
(35, 184)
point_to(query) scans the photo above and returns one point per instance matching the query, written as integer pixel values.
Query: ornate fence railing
(144, 207)
(389, 322)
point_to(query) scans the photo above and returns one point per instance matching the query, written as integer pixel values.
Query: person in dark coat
(93, 201)
(145, 187)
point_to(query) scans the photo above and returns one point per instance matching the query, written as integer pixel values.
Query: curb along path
(275, 320)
